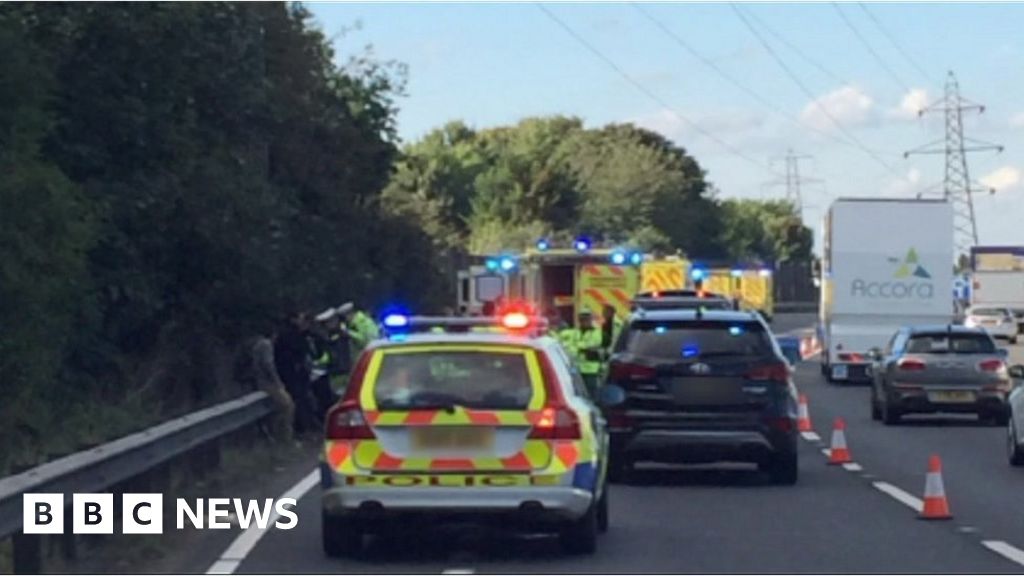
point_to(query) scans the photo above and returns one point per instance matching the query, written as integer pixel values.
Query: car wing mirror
(1017, 372)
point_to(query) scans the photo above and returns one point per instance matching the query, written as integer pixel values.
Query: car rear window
(689, 339)
(438, 379)
(988, 312)
(945, 343)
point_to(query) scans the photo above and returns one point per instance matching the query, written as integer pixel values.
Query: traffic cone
(803, 416)
(935, 505)
(839, 454)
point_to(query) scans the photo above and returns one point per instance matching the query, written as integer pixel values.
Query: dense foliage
(171, 175)
(502, 188)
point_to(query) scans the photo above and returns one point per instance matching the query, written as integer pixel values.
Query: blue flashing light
(492, 264)
(736, 272)
(396, 320)
(636, 258)
(618, 258)
(507, 263)
(690, 350)
(400, 337)
(735, 330)
(543, 244)
(582, 244)
(697, 273)
(660, 329)
(765, 272)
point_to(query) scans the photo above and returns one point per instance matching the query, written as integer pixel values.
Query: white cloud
(1003, 179)
(847, 105)
(1017, 120)
(912, 103)
(907, 185)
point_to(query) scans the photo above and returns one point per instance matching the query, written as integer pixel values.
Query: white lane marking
(459, 571)
(1005, 550)
(810, 436)
(827, 452)
(909, 500)
(852, 467)
(246, 541)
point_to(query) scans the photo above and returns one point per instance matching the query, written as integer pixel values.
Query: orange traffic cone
(935, 505)
(839, 454)
(803, 415)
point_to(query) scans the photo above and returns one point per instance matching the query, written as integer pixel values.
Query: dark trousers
(298, 388)
(323, 395)
(591, 381)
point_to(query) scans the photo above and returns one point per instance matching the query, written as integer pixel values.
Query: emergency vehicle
(466, 425)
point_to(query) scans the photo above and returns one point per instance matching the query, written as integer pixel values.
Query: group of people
(303, 364)
(590, 343)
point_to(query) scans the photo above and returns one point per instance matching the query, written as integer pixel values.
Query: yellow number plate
(951, 396)
(457, 437)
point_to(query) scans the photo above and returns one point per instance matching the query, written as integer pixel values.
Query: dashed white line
(810, 436)
(852, 467)
(1008, 551)
(900, 495)
(246, 541)
(827, 452)
(459, 571)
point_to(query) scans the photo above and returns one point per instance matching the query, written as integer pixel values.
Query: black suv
(692, 386)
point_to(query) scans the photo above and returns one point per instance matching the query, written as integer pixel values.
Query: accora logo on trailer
(910, 280)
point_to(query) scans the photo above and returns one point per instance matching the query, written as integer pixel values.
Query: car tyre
(340, 538)
(580, 537)
(876, 410)
(890, 416)
(784, 469)
(1014, 452)
(620, 469)
(602, 511)
(1001, 418)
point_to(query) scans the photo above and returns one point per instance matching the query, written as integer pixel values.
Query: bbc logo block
(144, 513)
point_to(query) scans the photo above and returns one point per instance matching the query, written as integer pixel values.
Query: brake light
(911, 364)
(624, 371)
(781, 423)
(774, 372)
(991, 365)
(345, 421)
(851, 357)
(556, 422)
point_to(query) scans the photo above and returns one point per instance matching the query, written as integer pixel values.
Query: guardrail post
(28, 553)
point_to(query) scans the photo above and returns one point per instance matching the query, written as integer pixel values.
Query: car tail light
(910, 364)
(556, 422)
(781, 423)
(851, 357)
(991, 365)
(345, 421)
(624, 372)
(777, 372)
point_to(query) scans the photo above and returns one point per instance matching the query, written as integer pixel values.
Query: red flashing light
(515, 320)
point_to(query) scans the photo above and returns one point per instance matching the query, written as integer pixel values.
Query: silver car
(999, 322)
(930, 369)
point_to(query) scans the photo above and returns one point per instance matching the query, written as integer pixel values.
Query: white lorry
(886, 263)
(997, 279)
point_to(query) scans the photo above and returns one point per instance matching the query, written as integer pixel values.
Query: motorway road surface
(730, 519)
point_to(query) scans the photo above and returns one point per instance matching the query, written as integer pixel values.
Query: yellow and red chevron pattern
(600, 284)
(551, 457)
(662, 276)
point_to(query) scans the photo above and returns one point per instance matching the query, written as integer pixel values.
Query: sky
(842, 88)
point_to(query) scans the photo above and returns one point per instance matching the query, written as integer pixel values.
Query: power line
(643, 89)
(732, 79)
(958, 187)
(892, 40)
(796, 50)
(793, 181)
(867, 46)
(807, 92)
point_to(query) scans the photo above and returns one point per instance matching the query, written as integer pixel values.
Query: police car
(487, 421)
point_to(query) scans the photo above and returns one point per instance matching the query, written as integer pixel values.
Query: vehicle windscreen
(696, 339)
(945, 343)
(490, 380)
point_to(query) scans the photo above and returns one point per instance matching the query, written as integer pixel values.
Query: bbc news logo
(144, 513)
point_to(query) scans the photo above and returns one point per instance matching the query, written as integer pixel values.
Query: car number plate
(839, 371)
(951, 396)
(453, 437)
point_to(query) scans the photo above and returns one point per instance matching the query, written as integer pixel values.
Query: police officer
(589, 352)
(611, 326)
(361, 329)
